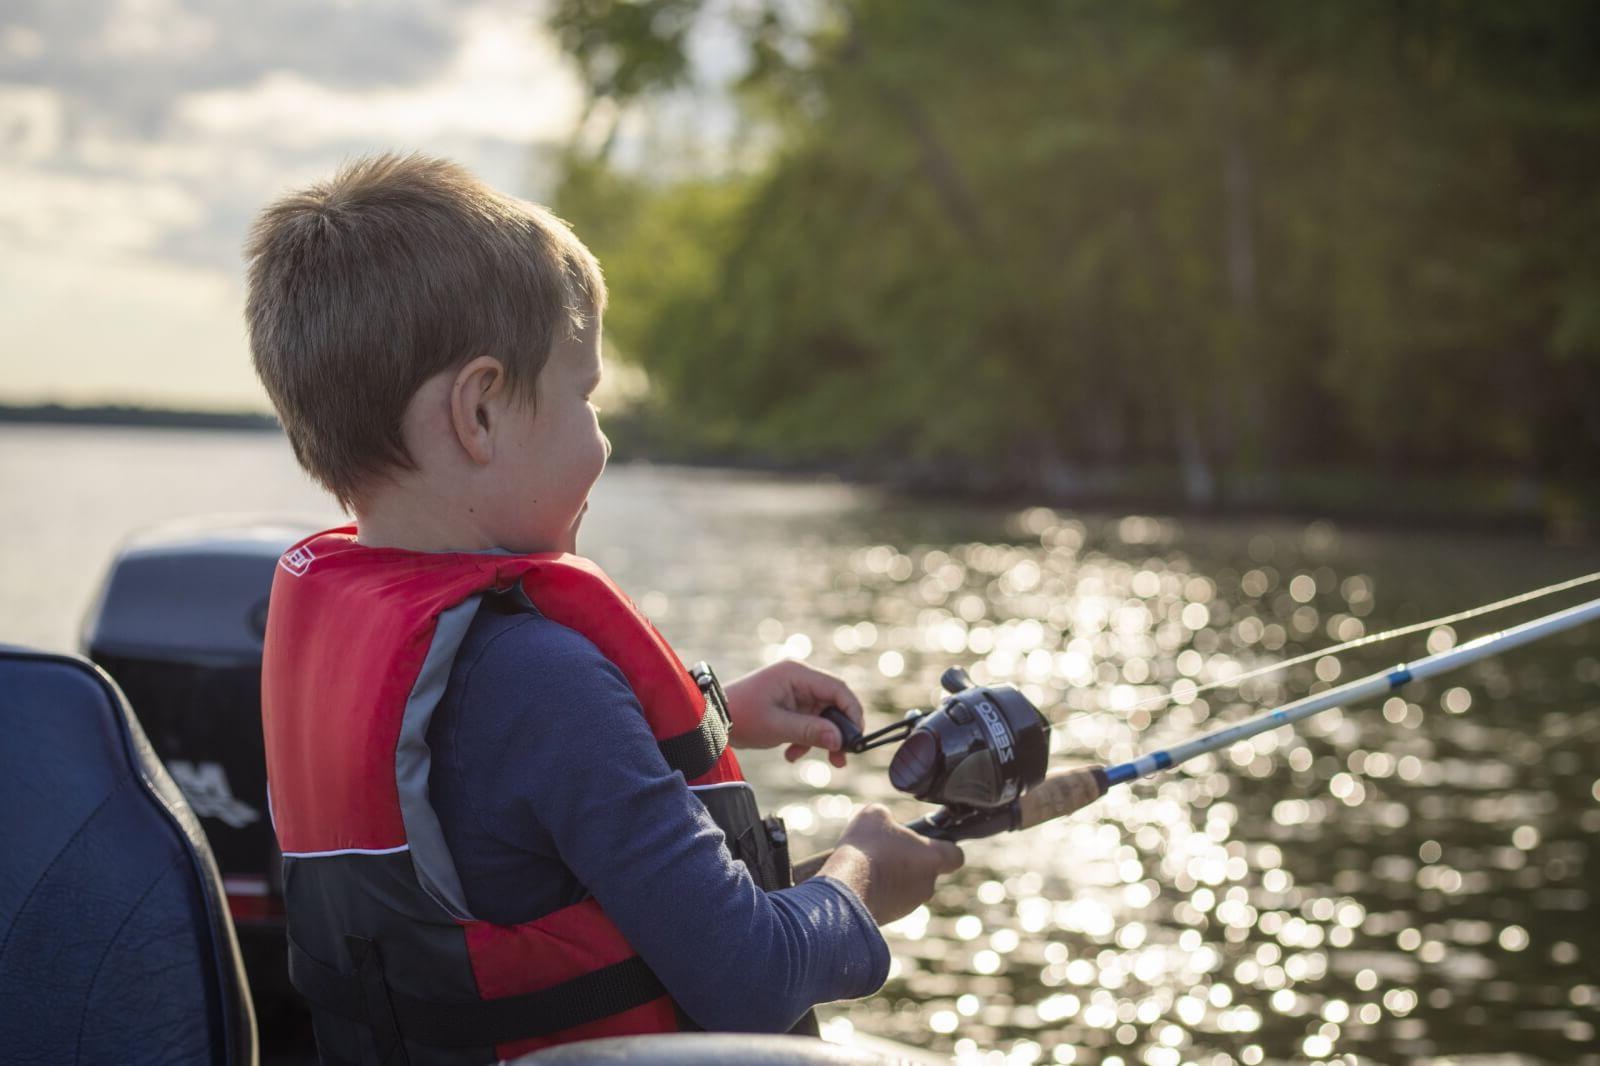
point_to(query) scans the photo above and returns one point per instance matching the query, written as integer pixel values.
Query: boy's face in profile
(553, 450)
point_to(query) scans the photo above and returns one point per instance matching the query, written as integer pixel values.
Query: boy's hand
(891, 869)
(779, 704)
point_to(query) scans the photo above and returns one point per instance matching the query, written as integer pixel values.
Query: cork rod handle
(1061, 794)
(1054, 797)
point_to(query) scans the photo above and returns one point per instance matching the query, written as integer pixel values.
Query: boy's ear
(475, 397)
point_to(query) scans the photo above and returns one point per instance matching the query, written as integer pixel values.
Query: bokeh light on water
(1406, 879)
(1395, 881)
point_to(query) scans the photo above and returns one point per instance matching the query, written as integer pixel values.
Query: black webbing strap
(481, 1023)
(694, 752)
(377, 1007)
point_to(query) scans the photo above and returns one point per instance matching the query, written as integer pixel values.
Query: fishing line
(983, 751)
(1191, 690)
(1352, 692)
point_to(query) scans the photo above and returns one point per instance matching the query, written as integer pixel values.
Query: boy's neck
(393, 520)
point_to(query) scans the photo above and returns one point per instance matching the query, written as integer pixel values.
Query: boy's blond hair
(396, 269)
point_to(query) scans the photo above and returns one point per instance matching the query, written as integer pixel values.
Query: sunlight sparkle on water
(1184, 912)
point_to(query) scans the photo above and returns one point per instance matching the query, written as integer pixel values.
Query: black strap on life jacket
(363, 996)
(695, 751)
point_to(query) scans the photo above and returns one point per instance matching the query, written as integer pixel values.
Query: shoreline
(132, 416)
(1444, 506)
(1558, 513)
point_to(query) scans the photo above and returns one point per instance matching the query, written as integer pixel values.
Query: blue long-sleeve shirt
(550, 788)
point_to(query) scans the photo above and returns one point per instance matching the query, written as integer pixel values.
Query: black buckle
(695, 751)
(711, 689)
(374, 992)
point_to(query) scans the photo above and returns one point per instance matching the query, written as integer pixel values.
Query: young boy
(508, 814)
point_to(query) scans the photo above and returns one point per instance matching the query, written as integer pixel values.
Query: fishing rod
(981, 754)
(1233, 681)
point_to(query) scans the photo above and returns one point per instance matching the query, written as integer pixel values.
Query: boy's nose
(607, 442)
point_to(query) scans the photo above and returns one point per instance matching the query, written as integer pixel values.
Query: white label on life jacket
(298, 561)
(205, 786)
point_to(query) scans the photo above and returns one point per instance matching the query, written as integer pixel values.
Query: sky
(139, 137)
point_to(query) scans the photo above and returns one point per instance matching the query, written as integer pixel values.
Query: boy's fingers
(820, 733)
(951, 858)
(846, 701)
(805, 731)
(813, 732)
(826, 689)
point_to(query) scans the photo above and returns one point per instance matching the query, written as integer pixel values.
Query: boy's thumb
(820, 733)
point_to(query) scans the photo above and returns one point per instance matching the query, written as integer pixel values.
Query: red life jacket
(359, 647)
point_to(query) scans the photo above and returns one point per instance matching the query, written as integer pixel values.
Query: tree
(1227, 239)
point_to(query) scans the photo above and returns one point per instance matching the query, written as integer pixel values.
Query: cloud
(502, 83)
(139, 137)
(91, 216)
(122, 54)
(32, 122)
(122, 328)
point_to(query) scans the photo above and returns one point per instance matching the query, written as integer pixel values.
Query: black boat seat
(115, 940)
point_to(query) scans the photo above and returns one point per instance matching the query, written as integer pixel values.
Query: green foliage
(626, 47)
(1243, 237)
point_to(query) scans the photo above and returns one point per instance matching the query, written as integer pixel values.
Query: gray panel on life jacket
(436, 871)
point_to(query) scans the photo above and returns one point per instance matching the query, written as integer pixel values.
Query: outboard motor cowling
(178, 623)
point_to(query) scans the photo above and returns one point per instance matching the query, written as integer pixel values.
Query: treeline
(129, 415)
(1228, 241)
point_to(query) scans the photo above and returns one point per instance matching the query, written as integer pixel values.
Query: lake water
(1404, 881)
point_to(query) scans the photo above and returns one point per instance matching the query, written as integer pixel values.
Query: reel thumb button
(955, 680)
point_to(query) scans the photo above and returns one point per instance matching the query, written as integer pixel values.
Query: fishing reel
(975, 754)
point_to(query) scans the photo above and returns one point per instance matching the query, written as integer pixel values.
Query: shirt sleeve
(567, 760)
